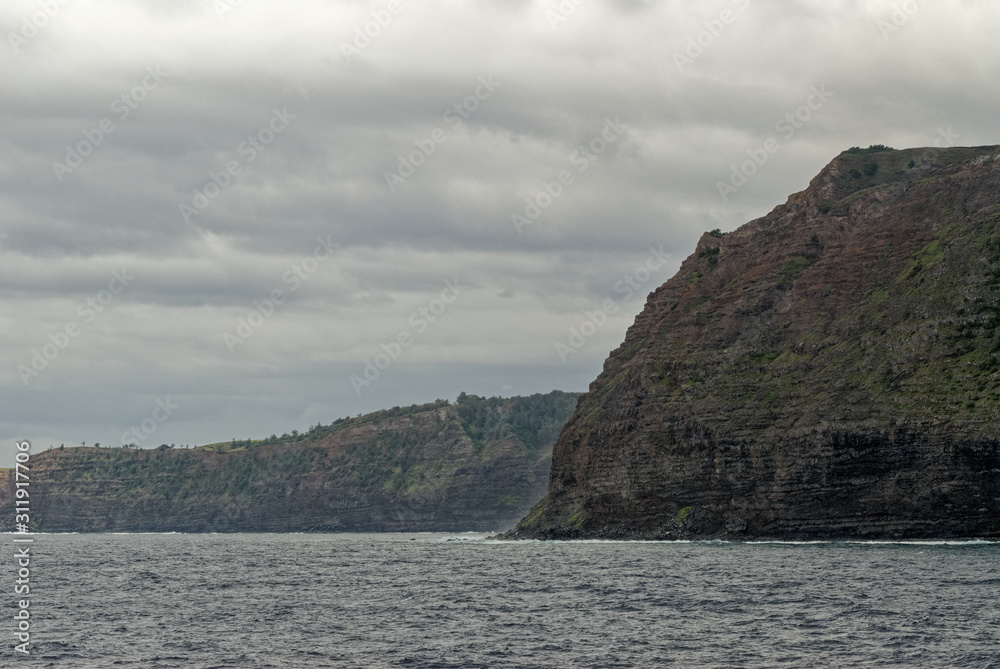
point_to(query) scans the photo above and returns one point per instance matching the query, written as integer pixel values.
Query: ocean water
(424, 600)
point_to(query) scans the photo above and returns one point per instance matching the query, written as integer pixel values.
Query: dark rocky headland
(831, 370)
(476, 465)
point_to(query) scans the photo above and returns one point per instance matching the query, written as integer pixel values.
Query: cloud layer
(292, 187)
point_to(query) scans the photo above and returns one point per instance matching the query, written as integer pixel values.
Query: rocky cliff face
(830, 370)
(477, 465)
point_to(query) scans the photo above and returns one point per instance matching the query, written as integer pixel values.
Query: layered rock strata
(830, 370)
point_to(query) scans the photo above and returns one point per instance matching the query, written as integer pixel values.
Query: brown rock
(827, 371)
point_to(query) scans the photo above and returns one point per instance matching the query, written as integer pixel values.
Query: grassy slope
(427, 452)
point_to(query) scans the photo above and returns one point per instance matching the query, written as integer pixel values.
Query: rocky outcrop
(831, 370)
(477, 465)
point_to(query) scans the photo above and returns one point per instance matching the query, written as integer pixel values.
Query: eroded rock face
(478, 465)
(830, 370)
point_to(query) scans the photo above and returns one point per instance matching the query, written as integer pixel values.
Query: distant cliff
(479, 464)
(829, 370)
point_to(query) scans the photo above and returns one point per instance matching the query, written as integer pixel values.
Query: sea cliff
(830, 370)
(476, 465)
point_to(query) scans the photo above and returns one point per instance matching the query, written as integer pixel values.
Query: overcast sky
(215, 214)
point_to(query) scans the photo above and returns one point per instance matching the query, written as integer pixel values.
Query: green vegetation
(421, 452)
(874, 148)
(535, 517)
(531, 421)
(711, 255)
(864, 171)
(791, 269)
(763, 358)
(932, 332)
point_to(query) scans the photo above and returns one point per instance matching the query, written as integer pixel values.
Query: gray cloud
(900, 79)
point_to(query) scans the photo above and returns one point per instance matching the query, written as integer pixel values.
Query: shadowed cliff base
(830, 370)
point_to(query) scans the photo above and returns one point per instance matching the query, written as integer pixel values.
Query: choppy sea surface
(428, 600)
